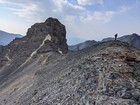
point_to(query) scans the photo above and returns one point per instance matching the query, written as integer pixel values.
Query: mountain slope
(107, 73)
(41, 38)
(6, 38)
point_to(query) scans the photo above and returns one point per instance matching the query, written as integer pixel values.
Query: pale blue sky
(84, 19)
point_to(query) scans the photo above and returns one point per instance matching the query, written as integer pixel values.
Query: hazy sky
(84, 19)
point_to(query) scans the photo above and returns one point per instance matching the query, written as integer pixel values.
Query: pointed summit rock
(49, 36)
(41, 38)
(52, 33)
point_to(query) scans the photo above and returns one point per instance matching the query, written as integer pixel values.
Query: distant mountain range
(132, 39)
(82, 45)
(6, 38)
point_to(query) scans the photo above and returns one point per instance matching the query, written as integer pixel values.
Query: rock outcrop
(53, 34)
(41, 38)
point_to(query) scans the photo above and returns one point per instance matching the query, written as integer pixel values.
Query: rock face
(34, 74)
(41, 38)
(53, 33)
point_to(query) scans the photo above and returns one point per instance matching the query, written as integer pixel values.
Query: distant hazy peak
(6, 38)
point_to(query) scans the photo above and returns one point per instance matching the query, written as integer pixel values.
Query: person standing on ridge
(116, 35)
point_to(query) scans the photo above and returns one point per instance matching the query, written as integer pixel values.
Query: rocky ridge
(104, 74)
(46, 37)
(132, 39)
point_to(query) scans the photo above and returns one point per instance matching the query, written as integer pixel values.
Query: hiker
(116, 36)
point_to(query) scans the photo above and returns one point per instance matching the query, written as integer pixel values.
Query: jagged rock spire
(53, 33)
(41, 38)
